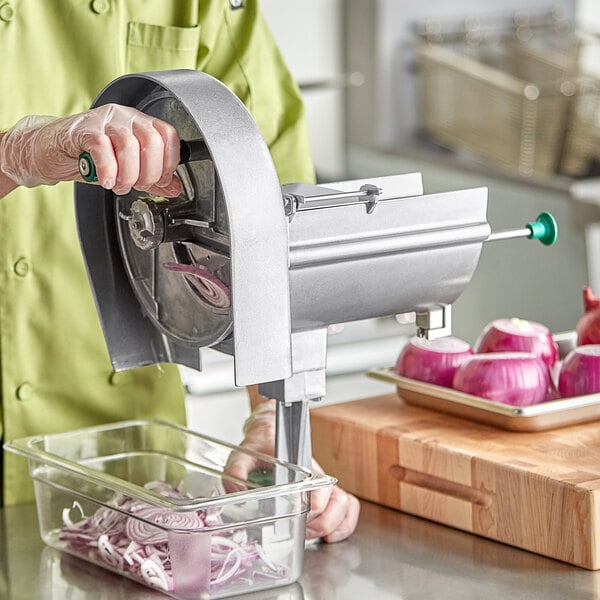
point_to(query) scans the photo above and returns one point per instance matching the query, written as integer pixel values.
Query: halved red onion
(515, 378)
(518, 335)
(580, 372)
(206, 283)
(432, 361)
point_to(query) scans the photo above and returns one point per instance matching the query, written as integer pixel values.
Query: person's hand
(130, 150)
(334, 513)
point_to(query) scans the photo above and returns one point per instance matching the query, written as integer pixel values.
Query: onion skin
(580, 372)
(588, 327)
(518, 335)
(432, 361)
(514, 378)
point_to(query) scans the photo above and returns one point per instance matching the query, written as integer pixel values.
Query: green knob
(87, 168)
(545, 229)
(261, 477)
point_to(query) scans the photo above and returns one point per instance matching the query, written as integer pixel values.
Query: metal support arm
(292, 443)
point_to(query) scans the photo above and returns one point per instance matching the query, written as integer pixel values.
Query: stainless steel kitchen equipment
(258, 271)
(502, 87)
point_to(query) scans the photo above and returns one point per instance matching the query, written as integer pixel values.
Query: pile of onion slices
(122, 537)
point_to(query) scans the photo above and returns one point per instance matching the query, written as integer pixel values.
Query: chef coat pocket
(269, 95)
(161, 47)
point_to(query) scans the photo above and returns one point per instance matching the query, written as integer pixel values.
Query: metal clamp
(368, 194)
(434, 322)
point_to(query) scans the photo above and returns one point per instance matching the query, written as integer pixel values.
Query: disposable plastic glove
(334, 513)
(129, 149)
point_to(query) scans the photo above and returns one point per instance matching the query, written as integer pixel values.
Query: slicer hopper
(258, 271)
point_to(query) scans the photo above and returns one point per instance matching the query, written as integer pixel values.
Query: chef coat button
(118, 378)
(7, 12)
(100, 6)
(21, 267)
(24, 391)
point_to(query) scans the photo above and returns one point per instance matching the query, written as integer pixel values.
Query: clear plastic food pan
(161, 505)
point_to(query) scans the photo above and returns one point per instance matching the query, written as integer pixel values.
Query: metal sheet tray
(539, 417)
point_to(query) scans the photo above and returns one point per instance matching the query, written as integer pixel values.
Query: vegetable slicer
(258, 271)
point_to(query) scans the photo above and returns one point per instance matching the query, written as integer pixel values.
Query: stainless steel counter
(391, 556)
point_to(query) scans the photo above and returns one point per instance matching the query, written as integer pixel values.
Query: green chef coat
(56, 56)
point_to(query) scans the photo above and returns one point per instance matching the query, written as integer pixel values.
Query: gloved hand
(129, 149)
(334, 513)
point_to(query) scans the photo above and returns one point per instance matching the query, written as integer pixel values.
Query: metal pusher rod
(544, 228)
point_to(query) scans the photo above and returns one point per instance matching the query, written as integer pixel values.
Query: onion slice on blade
(206, 283)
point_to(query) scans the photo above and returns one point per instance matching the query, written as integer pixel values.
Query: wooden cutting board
(538, 491)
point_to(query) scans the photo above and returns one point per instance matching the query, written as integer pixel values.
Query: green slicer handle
(189, 150)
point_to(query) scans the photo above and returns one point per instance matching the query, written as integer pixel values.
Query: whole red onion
(518, 335)
(588, 327)
(580, 372)
(432, 361)
(515, 378)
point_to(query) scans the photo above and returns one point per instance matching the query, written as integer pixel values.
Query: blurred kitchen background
(497, 93)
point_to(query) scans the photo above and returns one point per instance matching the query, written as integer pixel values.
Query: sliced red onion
(155, 575)
(580, 372)
(229, 567)
(133, 546)
(107, 520)
(271, 565)
(66, 513)
(518, 335)
(145, 533)
(206, 283)
(240, 536)
(515, 378)
(109, 553)
(432, 361)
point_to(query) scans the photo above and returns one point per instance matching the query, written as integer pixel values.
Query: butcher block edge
(538, 490)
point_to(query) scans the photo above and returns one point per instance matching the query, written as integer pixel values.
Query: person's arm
(130, 149)
(255, 398)
(7, 185)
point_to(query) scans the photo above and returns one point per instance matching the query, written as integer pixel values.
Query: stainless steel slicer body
(287, 262)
